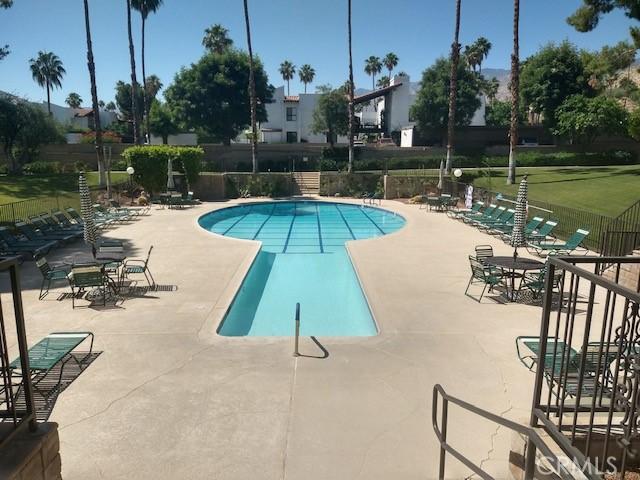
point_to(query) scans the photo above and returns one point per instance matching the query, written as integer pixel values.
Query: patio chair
(367, 197)
(90, 276)
(493, 216)
(103, 213)
(133, 211)
(33, 248)
(57, 347)
(484, 274)
(49, 226)
(529, 228)
(505, 221)
(499, 216)
(562, 364)
(486, 213)
(30, 232)
(460, 212)
(49, 275)
(543, 232)
(99, 222)
(483, 252)
(535, 281)
(557, 248)
(139, 266)
(57, 225)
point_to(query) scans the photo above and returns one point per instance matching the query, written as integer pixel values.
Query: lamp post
(131, 171)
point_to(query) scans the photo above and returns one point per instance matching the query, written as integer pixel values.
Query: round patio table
(516, 268)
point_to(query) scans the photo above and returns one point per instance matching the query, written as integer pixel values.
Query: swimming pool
(302, 259)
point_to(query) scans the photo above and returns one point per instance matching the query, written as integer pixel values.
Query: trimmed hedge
(150, 164)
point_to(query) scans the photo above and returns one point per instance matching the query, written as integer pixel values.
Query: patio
(169, 398)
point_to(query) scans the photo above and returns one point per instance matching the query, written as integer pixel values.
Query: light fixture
(130, 170)
(457, 172)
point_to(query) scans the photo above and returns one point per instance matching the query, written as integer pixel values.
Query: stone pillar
(32, 456)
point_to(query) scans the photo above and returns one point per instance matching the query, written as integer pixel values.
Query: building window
(292, 114)
(292, 137)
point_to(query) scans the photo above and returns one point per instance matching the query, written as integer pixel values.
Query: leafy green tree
(588, 15)
(216, 39)
(331, 115)
(6, 3)
(161, 121)
(634, 124)
(498, 114)
(431, 108)
(603, 68)
(47, 71)
(490, 89)
(390, 61)
(287, 70)
(582, 119)
(145, 7)
(307, 74)
(124, 101)
(23, 129)
(73, 100)
(549, 77)
(212, 94)
(372, 67)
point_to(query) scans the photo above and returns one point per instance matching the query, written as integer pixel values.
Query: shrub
(107, 137)
(150, 164)
(41, 168)
(257, 185)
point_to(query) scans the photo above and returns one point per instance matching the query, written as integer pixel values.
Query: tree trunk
(515, 94)
(453, 89)
(146, 102)
(252, 93)
(350, 165)
(134, 82)
(94, 97)
(48, 98)
(165, 139)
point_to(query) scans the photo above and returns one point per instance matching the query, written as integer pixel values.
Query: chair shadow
(44, 406)
(325, 352)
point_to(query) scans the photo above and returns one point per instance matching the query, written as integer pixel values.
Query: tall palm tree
(472, 56)
(216, 39)
(47, 71)
(287, 70)
(134, 82)
(372, 67)
(73, 100)
(145, 7)
(350, 82)
(515, 93)
(307, 74)
(483, 46)
(152, 86)
(94, 97)
(383, 81)
(390, 61)
(453, 88)
(252, 93)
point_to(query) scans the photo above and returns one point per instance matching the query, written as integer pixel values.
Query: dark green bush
(41, 168)
(150, 164)
(260, 185)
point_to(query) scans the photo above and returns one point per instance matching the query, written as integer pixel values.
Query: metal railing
(16, 399)
(616, 243)
(587, 387)
(534, 445)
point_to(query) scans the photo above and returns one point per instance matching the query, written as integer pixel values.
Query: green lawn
(15, 189)
(605, 190)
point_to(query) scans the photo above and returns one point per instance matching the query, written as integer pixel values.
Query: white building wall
(478, 119)
(179, 139)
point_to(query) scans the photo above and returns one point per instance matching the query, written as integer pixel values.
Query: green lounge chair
(99, 222)
(486, 213)
(529, 228)
(50, 226)
(543, 232)
(49, 275)
(459, 213)
(505, 219)
(557, 248)
(483, 274)
(33, 234)
(34, 248)
(57, 347)
(562, 364)
(56, 225)
(493, 218)
(535, 282)
(100, 212)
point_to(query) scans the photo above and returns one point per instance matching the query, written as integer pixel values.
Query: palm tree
(515, 94)
(453, 88)
(252, 93)
(94, 96)
(350, 81)
(101, 103)
(383, 82)
(307, 74)
(47, 71)
(390, 61)
(490, 89)
(73, 100)
(110, 107)
(483, 46)
(145, 7)
(372, 66)
(216, 39)
(472, 56)
(152, 86)
(287, 70)
(134, 82)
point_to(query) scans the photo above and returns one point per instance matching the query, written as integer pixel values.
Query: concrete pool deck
(168, 398)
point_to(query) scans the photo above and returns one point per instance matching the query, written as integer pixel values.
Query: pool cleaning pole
(296, 353)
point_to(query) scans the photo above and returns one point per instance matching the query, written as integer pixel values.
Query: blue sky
(303, 31)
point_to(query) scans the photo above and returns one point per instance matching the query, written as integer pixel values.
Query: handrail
(296, 352)
(534, 443)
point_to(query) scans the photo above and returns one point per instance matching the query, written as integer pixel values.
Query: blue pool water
(302, 259)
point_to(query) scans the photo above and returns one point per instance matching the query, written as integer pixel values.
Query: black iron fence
(587, 361)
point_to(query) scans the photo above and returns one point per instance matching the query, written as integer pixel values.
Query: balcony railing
(587, 388)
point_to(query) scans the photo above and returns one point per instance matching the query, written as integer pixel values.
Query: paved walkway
(170, 399)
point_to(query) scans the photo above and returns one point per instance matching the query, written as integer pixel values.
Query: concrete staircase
(306, 183)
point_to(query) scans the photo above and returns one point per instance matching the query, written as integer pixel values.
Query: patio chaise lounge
(57, 347)
(562, 364)
(461, 212)
(49, 225)
(486, 213)
(34, 234)
(544, 232)
(496, 217)
(99, 222)
(33, 248)
(57, 225)
(557, 248)
(505, 220)
(529, 228)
